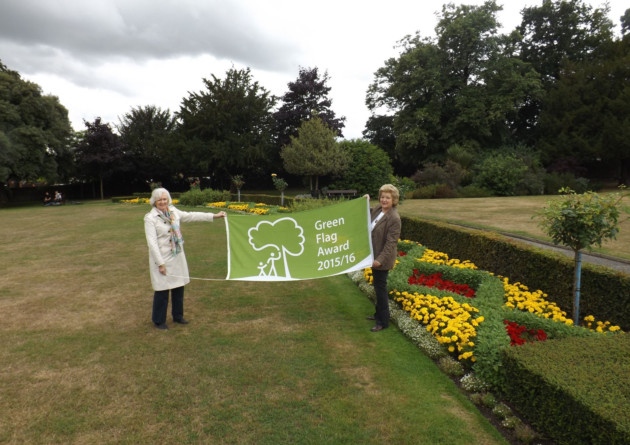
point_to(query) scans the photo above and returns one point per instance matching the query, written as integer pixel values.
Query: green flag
(331, 240)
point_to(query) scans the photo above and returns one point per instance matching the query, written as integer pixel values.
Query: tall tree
(147, 134)
(586, 116)
(560, 30)
(314, 152)
(461, 88)
(100, 152)
(307, 96)
(228, 127)
(556, 32)
(34, 130)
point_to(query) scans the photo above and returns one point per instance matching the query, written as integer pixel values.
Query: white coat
(158, 236)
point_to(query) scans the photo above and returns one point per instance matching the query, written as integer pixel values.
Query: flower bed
(465, 334)
(471, 313)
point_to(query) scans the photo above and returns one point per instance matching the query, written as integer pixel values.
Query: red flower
(435, 280)
(519, 334)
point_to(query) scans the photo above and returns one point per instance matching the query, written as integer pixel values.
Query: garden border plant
(503, 306)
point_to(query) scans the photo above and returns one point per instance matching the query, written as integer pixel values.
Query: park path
(617, 264)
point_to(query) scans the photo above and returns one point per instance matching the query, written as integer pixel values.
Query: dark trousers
(160, 304)
(382, 300)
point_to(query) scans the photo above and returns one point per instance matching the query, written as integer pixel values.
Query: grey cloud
(94, 31)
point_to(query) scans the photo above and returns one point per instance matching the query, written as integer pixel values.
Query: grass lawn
(511, 215)
(264, 363)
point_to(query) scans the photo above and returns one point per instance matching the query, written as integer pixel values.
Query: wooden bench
(340, 193)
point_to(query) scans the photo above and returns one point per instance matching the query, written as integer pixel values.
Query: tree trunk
(576, 287)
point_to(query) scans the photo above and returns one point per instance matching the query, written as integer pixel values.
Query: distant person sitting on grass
(47, 199)
(58, 198)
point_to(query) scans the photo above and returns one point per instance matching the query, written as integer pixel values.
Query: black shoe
(161, 327)
(370, 317)
(181, 321)
(377, 328)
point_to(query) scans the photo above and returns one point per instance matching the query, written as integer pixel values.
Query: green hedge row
(575, 390)
(605, 293)
(574, 387)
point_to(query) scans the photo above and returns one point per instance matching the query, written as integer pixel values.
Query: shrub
(451, 173)
(404, 186)
(501, 173)
(473, 191)
(369, 168)
(553, 182)
(196, 197)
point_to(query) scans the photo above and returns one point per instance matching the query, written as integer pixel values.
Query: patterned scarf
(177, 240)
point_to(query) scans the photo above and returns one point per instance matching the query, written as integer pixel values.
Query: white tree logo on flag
(265, 236)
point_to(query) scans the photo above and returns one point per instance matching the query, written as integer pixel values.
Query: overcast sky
(103, 57)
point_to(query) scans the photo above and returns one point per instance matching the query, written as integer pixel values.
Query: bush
(473, 191)
(451, 173)
(404, 186)
(369, 168)
(501, 173)
(434, 191)
(196, 197)
(553, 182)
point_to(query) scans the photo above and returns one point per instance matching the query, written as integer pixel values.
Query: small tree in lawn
(238, 182)
(578, 221)
(314, 152)
(280, 185)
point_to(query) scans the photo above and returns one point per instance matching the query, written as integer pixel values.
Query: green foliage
(228, 127)
(520, 263)
(434, 191)
(148, 135)
(450, 173)
(196, 197)
(238, 182)
(100, 153)
(586, 115)
(464, 87)
(579, 221)
(554, 182)
(34, 131)
(300, 205)
(314, 152)
(473, 191)
(500, 173)
(308, 95)
(573, 390)
(279, 183)
(368, 169)
(404, 185)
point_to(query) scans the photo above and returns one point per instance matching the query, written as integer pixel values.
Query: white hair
(157, 194)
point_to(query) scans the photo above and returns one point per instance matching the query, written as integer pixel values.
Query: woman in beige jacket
(385, 234)
(167, 261)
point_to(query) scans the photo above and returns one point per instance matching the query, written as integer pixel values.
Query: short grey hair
(157, 194)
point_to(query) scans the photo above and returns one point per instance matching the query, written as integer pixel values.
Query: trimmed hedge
(576, 390)
(605, 293)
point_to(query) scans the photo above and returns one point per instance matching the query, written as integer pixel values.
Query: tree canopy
(464, 87)
(587, 114)
(99, 152)
(228, 127)
(34, 130)
(148, 134)
(314, 152)
(307, 96)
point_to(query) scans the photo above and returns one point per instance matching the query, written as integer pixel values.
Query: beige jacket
(157, 232)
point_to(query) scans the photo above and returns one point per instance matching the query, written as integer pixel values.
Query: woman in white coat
(167, 260)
